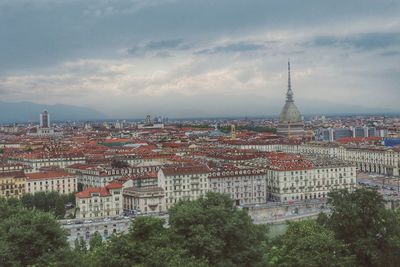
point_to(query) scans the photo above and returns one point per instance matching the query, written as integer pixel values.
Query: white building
(183, 183)
(285, 184)
(37, 161)
(244, 186)
(100, 202)
(144, 199)
(51, 181)
(367, 158)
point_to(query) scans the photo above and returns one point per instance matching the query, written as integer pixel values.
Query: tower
(290, 120)
(44, 119)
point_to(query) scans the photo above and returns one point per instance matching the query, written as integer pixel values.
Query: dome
(290, 113)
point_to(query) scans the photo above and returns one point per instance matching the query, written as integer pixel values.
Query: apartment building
(100, 201)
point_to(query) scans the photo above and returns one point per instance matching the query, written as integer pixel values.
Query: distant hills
(29, 112)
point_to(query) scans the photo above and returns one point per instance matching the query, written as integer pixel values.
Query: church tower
(291, 123)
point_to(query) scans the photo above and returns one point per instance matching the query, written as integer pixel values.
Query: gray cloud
(172, 44)
(187, 52)
(390, 53)
(233, 48)
(362, 41)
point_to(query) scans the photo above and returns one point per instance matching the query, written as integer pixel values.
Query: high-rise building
(44, 119)
(291, 123)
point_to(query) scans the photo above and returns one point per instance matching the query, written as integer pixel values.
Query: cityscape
(159, 159)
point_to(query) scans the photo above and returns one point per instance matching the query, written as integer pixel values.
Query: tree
(148, 243)
(28, 237)
(361, 220)
(95, 241)
(59, 208)
(48, 202)
(308, 244)
(212, 228)
(80, 245)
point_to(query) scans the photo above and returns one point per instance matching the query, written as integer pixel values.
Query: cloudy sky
(128, 58)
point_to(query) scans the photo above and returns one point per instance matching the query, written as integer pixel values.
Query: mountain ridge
(25, 111)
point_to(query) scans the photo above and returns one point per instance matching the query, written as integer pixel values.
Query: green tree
(28, 236)
(95, 241)
(212, 228)
(148, 243)
(59, 208)
(80, 245)
(361, 220)
(307, 244)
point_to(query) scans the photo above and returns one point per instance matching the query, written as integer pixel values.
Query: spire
(289, 94)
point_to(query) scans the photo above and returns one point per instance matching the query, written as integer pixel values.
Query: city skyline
(132, 58)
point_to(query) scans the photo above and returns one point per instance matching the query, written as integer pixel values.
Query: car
(70, 222)
(87, 221)
(106, 219)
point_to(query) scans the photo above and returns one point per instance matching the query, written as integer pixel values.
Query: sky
(191, 58)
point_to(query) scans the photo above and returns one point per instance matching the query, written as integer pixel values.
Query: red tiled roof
(114, 186)
(174, 170)
(48, 175)
(14, 174)
(87, 193)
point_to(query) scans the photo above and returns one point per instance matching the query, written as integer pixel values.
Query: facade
(291, 123)
(308, 183)
(37, 161)
(183, 183)
(144, 199)
(94, 176)
(12, 184)
(244, 186)
(370, 159)
(51, 181)
(100, 202)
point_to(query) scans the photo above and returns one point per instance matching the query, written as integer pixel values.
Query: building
(244, 186)
(367, 158)
(293, 177)
(291, 123)
(183, 183)
(100, 201)
(51, 181)
(12, 184)
(144, 199)
(44, 128)
(38, 160)
(99, 176)
(150, 124)
(44, 119)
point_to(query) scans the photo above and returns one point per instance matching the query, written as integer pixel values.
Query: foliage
(147, 244)
(361, 220)
(48, 202)
(212, 228)
(308, 244)
(208, 231)
(95, 241)
(29, 237)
